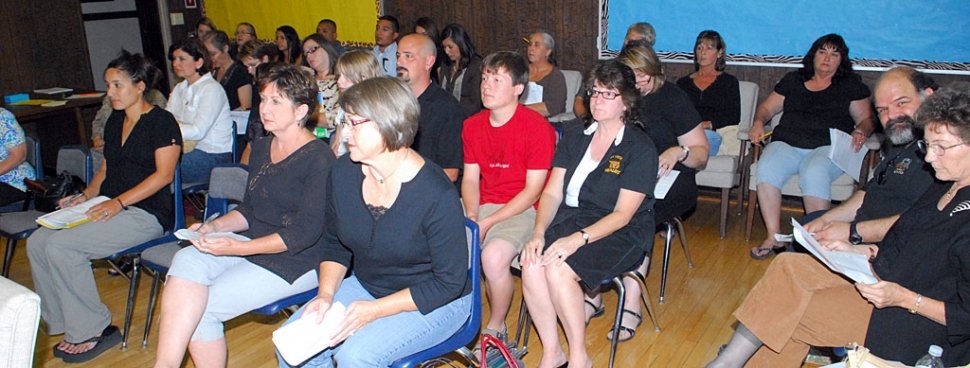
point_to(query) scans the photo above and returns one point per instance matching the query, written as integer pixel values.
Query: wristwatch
(585, 236)
(854, 236)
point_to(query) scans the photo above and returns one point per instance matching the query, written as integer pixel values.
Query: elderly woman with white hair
(399, 225)
(544, 72)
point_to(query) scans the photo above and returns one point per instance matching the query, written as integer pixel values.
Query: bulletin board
(355, 18)
(927, 34)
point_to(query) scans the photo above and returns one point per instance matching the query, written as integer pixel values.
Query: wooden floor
(695, 320)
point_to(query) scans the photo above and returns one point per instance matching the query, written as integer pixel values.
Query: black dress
(630, 165)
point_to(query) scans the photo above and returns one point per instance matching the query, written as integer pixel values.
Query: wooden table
(30, 113)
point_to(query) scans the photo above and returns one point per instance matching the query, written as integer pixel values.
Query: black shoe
(123, 263)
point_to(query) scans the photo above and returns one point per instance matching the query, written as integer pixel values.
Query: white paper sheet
(241, 117)
(664, 184)
(852, 265)
(533, 94)
(842, 154)
(186, 234)
(304, 338)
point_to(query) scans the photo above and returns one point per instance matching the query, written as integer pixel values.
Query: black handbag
(48, 191)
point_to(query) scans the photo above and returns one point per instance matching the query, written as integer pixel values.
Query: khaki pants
(800, 303)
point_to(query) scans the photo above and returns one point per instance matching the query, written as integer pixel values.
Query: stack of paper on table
(186, 234)
(67, 218)
(304, 338)
(852, 265)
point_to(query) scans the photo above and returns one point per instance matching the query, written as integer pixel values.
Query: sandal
(631, 331)
(502, 336)
(597, 311)
(761, 252)
(108, 339)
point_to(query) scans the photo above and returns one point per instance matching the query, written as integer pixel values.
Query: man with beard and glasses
(440, 122)
(900, 178)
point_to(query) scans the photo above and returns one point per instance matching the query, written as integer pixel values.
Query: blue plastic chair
(17, 226)
(468, 331)
(158, 259)
(135, 253)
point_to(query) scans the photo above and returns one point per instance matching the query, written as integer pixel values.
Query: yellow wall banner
(355, 19)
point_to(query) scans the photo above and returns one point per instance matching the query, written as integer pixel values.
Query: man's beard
(901, 130)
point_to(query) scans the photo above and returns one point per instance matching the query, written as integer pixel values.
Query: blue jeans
(390, 338)
(197, 165)
(815, 170)
(714, 140)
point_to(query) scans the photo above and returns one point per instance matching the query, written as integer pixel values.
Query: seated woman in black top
(825, 93)
(283, 212)
(675, 128)
(395, 219)
(461, 71)
(142, 144)
(230, 74)
(715, 94)
(594, 217)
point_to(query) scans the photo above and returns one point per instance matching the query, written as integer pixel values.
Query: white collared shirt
(202, 110)
(586, 166)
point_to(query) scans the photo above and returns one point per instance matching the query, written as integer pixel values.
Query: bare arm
(245, 93)
(452, 174)
(549, 202)
(539, 108)
(626, 206)
(845, 212)
(16, 156)
(696, 141)
(862, 115)
(534, 181)
(165, 161)
(768, 109)
(470, 195)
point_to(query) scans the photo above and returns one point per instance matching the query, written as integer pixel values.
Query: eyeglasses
(353, 123)
(936, 149)
(242, 32)
(311, 50)
(608, 95)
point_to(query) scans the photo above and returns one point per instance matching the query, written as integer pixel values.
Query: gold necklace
(406, 154)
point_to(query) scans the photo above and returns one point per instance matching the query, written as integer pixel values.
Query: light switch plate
(177, 19)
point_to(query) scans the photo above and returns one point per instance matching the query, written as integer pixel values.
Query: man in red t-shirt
(508, 151)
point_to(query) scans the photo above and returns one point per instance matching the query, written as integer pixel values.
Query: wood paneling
(42, 44)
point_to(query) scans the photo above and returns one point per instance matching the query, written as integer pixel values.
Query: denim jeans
(197, 165)
(387, 339)
(816, 172)
(714, 140)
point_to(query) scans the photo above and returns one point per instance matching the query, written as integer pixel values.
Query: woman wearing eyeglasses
(674, 126)
(594, 218)
(922, 263)
(321, 55)
(231, 75)
(396, 221)
(284, 213)
(245, 32)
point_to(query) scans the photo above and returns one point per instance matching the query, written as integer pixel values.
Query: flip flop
(597, 311)
(108, 339)
(631, 331)
(765, 252)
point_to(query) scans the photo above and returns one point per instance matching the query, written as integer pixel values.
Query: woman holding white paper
(397, 222)
(825, 93)
(282, 211)
(923, 264)
(142, 144)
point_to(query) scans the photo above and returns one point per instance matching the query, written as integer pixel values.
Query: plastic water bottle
(931, 359)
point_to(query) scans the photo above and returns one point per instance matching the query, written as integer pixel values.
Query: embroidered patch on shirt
(902, 166)
(614, 164)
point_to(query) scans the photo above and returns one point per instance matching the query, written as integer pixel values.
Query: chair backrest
(749, 104)
(76, 160)
(227, 183)
(33, 155)
(574, 80)
(235, 143)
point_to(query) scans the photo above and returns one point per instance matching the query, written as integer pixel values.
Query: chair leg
(725, 202)
(683, 240)
(752, 206)
(524, 327)
(645, 297)
(124, 274)
(745, 178)
(132, 289)
(8, 256)
(619, 315)
(156, 279)
(663, 276)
